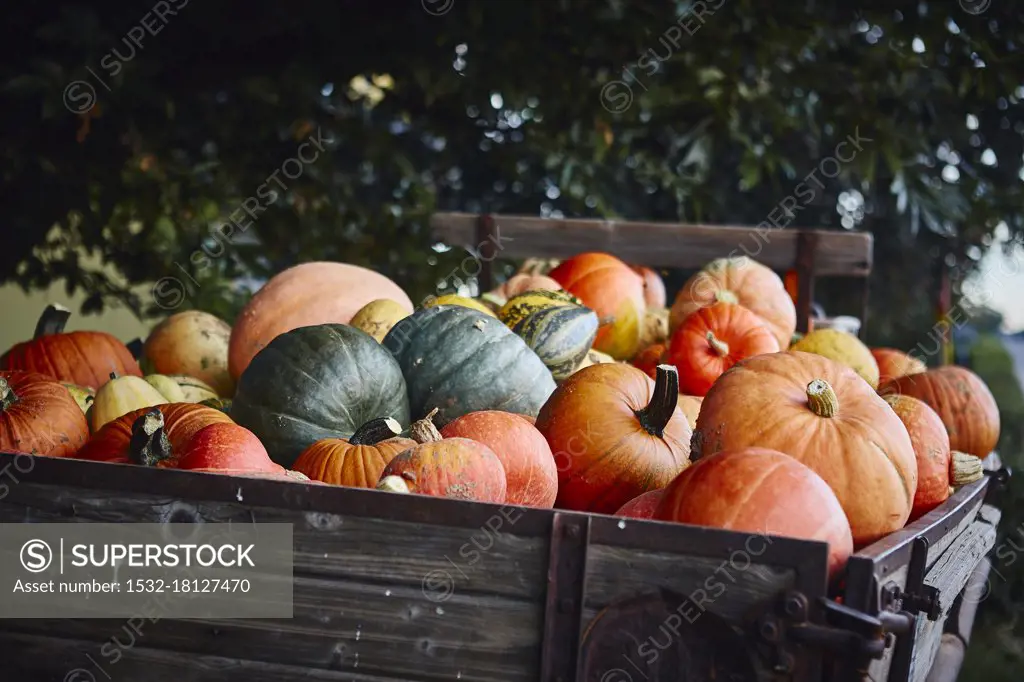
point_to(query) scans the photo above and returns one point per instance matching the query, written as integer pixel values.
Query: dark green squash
(560, 336)
(312, 383)
(460, 360)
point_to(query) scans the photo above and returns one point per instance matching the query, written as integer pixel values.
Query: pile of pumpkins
(573, 385)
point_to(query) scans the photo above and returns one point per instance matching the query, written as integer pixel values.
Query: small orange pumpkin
(358, 461)
(893, 364)
(649, 358)
(931, 447)
(712, 340)
(757, 490)
(457, 468)
(654, 286)
(615, 434)
(39, 416)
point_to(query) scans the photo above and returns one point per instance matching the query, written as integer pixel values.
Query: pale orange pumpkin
(358, 461)
(654, 286)
(739, 280)
(826, 416)
(931, 447)
(963, 402)
(615, 434)
(893, 364)
(758, 490)
(642, 506)
(607, 286)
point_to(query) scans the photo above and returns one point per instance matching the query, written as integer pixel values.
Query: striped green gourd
(560, 336)
(518, 308)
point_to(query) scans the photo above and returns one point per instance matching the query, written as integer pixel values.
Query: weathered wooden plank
(952, 532)
(879, 669)
(344, 626)
(35, 658)
(658, 244)
(727, 588)
(491, 559)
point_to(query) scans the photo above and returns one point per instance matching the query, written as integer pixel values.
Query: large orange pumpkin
(457, 468)
(758, 490)
(181, 421)
(193, 343)
(607, 286)
(825, 415)
(615, 434)
(931, 447)
(532, 479)
(963, 402)
(739, 280)
(39, 416)
(712, 340)
(358, 461)
(305, 295)
(83, 358)
(893, 364)
(642, 506)
(654, 286)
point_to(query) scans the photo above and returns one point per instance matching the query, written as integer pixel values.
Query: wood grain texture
(659, 244)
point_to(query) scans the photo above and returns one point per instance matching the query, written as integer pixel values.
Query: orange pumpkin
(739, 280)
(531, 477)
(358, 461)
(520, 284)
(642, 506)
(963, 402)
(826, 416)
(931, 447)
(82, 358)
(615, 434)
(758, 490)
(712, 340)
(457, 468)
(227, 448)
(305, 295)
(607, 286)
(38, 416)
(181, 421)
(654, 286)
(649, 358)
(690, 405)
(893, 364)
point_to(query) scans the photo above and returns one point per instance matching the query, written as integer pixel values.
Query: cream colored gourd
(167, 387)
(376, 318)
(119, 396)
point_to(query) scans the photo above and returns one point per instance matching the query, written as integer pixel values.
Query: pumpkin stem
(720, 347)
(393, 484)
(726, 296)
(149, 445)
(7, 395)
(375, 430)
(135, 347)
(656, 416)
(822, 399)
(52, 320)
(965, 469)
(424, 431)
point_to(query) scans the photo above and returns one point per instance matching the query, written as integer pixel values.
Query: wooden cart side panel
(656, 244)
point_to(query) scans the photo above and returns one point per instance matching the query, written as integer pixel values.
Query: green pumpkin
(518, 308)
(459, 361)
(560, 336)
(323, 381)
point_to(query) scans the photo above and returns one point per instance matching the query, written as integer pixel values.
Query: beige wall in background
(20, 311)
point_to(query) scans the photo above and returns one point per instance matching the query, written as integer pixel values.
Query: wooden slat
(659, 244)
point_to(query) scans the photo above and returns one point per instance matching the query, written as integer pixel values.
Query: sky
(999, 282)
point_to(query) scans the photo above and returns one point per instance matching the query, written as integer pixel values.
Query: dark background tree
(504, 106)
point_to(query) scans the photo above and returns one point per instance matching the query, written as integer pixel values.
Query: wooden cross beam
(812, 253)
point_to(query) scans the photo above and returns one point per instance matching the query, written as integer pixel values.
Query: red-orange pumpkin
(305, 295)
(893, 364)
(615, 434)
(83, 358)
(758, 490)
(358, 461)
(38, 416)
(649, 358)
(739, 280)
(963, 402)
(532, 480)
(931, 447)
(712, 340)
(226, 448)
(642, 506)
(180, 422)
(607, 286)
(457, 468)
(826, 416)
(654, 286)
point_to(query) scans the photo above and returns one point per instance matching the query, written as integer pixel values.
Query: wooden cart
(390, 588)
